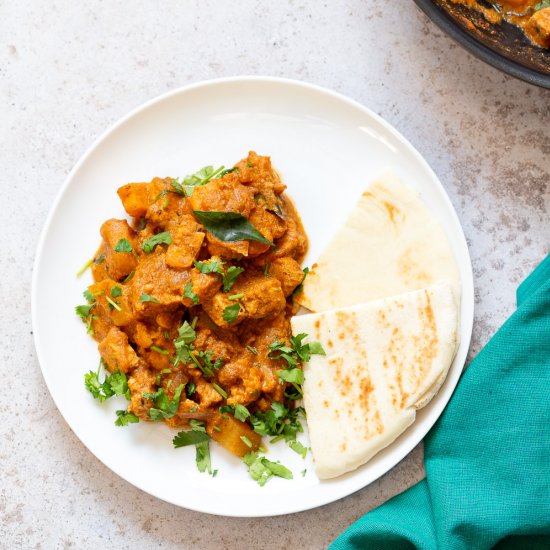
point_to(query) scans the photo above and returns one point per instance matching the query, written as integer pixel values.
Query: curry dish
(533, 16)
(192, 300)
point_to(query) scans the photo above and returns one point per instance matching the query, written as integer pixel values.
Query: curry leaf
(230, 226)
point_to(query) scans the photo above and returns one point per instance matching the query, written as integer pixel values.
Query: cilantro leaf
(118, 383)
(300, 287)
(90, 298)
(188, 293)
(184, 439)
(295, 376)
(212, 266)
(230, 277)
(231, 312)
(84, 311)
(200, 177)
(202, 457)
(197, 425)
(297, 447)
(261, 469)
(229, 226)
(241, 412)
(183, 343)
(123, 245)
(227, 171)
(220, 390)
(148, 298)
(280, 422)
(148, 245)
(116, 291)
(164, 407)
(125, 417)
(541, 5)
(114, 384)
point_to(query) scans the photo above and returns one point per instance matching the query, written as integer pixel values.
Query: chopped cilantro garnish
(84, 311)
(252, 349)
(261, 469)
(190, 388)
(246, 441)
(123, 245)
(84, 267)
(129, 277)
(149, 244)
(184, 439)
(220, 390)
(279, 422)
(183, 343)
(90, 298)
(227, 171)
(236, 296)
(148, 298)
(124, 418)
(161, 373)
(297, 447)
(114, 384)
(304, 472)
(197, 425)
(241, 412)
(230, 277)
(113, 304)
(201, 177)
(300, 287)
(294, 376)
(203, 360)
(212, 266)
(116, 291)
(202, 457)
(231, 312)
(160, 350)
(188, 293)
(164, 407)
(100, 259)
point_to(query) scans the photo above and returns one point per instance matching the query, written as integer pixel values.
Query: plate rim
(182, 90)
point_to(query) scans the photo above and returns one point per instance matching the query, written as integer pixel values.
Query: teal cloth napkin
(488, 457)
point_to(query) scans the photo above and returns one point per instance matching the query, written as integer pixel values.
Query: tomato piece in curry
(166, 269)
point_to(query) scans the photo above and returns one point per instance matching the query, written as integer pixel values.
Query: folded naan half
(384, 360)
(391, 243)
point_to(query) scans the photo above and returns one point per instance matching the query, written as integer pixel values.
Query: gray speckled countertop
(67, 73)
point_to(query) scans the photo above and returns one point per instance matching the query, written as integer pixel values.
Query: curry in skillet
(191, 305)
(533, 16)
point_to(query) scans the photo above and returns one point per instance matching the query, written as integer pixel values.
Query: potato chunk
(117, 352)
(118, 264)
(135, 198)
(538, 27)
(233, 435)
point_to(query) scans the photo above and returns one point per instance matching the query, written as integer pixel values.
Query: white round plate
(327, 149)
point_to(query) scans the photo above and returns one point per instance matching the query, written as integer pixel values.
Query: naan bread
(384, 359)
(391, 243)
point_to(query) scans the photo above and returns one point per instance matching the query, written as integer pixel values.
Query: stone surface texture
(68, 70)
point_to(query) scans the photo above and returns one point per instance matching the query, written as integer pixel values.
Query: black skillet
(502, 45)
